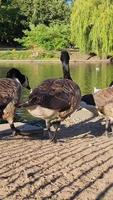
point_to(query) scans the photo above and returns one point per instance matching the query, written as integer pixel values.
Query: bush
(54, 37)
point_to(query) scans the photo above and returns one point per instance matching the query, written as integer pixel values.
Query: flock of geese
(53, 100)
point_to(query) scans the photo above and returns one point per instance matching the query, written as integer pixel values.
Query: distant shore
(57, 61)
(14, 55)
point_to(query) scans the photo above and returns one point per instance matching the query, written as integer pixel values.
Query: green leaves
(54, 37)
(16, 15)
(92, 26)
(51, 11)
(10, 24)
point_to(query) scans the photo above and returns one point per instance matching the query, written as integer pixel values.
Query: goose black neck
(66, 71)
(65, 64)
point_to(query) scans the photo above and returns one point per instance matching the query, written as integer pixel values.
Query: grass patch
(27, 55)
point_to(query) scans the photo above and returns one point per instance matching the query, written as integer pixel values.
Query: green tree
(16, 15)
(43, 11)
(12, 22)
(26, 9)
(92, 26)
(51, 11)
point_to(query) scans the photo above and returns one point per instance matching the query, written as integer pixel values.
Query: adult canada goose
(103, 100)
(55, 99)
(10, 93)
(89, 98)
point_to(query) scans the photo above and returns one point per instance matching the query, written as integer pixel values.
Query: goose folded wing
(103, 96)
(3, 103)
(8, 91)
(51, 94)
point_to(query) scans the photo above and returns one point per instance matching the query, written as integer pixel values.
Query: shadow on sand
(86, 127)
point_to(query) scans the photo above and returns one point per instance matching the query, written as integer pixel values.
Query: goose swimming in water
(55, 99)
(10, 93)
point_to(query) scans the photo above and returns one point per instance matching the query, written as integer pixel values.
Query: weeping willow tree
(92, 26)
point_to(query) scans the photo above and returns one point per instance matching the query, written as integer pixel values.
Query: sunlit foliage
(54, 37)
(16, 15)
(92, 26)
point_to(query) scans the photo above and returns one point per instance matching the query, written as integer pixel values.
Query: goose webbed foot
(15, 131)
(108, 134)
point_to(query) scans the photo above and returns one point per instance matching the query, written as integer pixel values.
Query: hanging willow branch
(92, 26)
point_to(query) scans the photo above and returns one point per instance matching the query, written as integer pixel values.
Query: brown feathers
(59, 97)
(103, 100)
(10, 93)
(56, 94)
(9, 90)
(103, 97)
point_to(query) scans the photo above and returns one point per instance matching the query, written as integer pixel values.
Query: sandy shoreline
(79, 166)
(57, 61)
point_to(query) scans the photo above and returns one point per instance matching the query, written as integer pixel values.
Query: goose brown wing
(103, 96)
(8, 92)
(54, 94)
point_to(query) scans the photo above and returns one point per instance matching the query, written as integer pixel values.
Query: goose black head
(15, 73)
(65, 63)
(111, 84)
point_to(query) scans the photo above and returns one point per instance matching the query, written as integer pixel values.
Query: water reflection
(87, 75)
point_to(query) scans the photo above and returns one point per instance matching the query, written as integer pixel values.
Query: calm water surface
(87, 76)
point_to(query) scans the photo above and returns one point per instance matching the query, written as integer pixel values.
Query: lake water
(87, 75)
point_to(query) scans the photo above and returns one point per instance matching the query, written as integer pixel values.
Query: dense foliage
(11, 23)
(92, 26)
(54, 37)
(51, 11)
(16, 15)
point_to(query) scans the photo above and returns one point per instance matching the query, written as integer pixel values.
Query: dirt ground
(79, 166)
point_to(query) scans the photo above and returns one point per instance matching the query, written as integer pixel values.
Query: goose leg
(47, 129)
(108, 127)
(15, 131)
(52, 136)
(8, 114)
(54, 128)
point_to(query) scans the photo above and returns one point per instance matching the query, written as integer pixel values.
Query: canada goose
(89, 98)
(55, 99)
(10, 93)
(103, 100)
